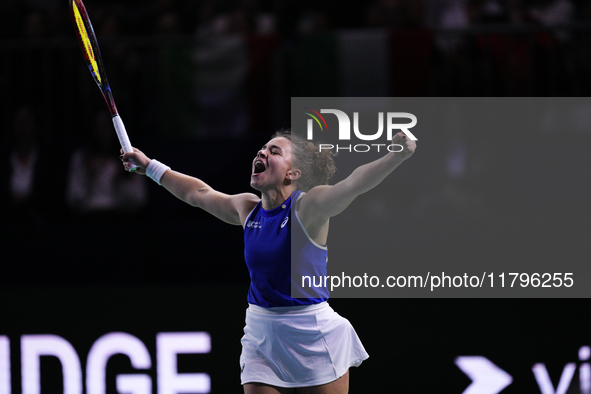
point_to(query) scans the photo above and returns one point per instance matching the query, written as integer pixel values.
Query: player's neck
(273, 198)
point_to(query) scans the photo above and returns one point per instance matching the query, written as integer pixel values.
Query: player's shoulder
(247, 198)
(313, 195)
(309, 201)
(245, 202)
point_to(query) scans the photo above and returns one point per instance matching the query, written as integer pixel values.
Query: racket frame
(99, 75)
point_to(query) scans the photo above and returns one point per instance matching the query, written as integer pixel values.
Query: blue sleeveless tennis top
(270, 237)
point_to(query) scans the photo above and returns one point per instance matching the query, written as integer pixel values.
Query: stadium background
(200, 86)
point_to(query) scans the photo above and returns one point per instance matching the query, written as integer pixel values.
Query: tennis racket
(94, 60)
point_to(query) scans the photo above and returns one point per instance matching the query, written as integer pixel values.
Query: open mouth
(259, 167)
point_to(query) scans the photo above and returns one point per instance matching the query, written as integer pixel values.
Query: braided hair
(317, 166)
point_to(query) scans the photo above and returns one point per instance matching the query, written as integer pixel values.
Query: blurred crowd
(186, 71)
(50, 18)
(432, 49)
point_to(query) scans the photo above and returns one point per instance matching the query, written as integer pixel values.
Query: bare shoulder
(244, 203)
(314, 195)
(310, 204)
(312, 214)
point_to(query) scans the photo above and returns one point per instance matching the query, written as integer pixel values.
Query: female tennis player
(290, 345)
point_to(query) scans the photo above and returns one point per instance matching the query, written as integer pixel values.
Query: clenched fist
(408, 146)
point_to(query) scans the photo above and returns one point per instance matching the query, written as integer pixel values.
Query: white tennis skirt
(298, 346)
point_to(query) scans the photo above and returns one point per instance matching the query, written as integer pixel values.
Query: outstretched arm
(231, 209)
(324, 202)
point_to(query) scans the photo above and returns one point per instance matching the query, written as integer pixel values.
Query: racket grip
(124, 140)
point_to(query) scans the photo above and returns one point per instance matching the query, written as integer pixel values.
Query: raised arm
(232, 209)
(324, 202)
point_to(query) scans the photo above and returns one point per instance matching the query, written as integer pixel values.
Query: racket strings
(86, 44)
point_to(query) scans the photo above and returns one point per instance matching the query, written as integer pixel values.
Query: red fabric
(411, 55)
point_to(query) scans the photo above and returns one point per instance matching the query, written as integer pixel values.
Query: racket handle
(124, 139)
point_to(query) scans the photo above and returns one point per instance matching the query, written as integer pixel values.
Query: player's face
(272, 164)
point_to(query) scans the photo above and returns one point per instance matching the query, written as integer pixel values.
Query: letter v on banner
(544, 382)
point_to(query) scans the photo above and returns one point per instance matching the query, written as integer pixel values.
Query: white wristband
(155, 170)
